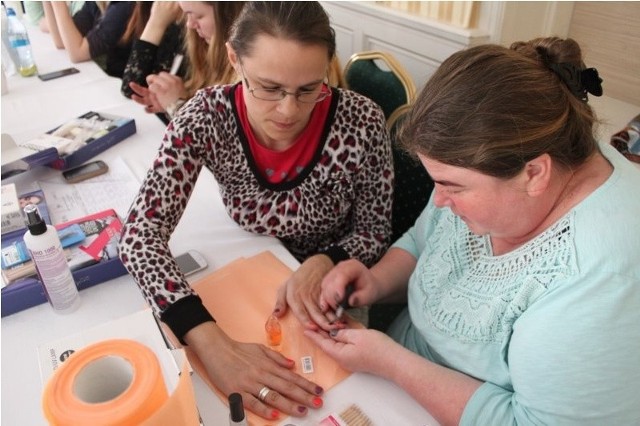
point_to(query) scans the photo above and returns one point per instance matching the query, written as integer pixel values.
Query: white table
(32, 107)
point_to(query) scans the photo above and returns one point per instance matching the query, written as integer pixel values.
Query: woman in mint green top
(522, 273)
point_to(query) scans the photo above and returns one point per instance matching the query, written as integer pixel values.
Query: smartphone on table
(57, 74)
(85, 171)
(191, 262)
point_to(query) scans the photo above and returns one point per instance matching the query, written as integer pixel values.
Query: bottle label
(19, 42)
(54, 272)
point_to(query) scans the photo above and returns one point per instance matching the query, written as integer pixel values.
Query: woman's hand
(357, 349)
(247, 368)
(163, 14)
(301, 293)
(144, 97)
(167, 88)
(345, 273)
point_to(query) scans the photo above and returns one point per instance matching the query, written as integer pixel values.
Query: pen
(348, 291)
(175, 66)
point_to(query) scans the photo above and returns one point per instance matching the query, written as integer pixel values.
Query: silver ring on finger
(262, 395)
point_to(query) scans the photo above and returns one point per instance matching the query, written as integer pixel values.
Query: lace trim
(474, 296)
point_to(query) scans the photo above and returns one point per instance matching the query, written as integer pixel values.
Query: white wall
(418, 44)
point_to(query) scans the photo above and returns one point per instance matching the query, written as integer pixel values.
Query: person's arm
(163, 14)
(52, 25)
(144, 57)
(443, 392)
(573, 355)
(373, 195)
(73, 41)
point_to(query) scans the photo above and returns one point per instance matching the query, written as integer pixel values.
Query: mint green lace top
(553, 327)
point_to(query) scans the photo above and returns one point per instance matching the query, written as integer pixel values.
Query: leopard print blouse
(340, 204)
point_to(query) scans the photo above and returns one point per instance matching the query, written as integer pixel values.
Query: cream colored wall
(608, 31)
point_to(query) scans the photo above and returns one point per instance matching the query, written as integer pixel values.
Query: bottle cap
(34, 221)
(236, 407)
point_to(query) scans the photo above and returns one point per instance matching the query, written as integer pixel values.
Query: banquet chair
(380, 77)
(412, 189)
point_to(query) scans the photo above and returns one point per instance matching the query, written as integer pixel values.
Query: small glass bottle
(46, 251)
(236, 410)
(274, 331)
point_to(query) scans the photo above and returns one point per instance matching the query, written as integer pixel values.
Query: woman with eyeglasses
(295, 159)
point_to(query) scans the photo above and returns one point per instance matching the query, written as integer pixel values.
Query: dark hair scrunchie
(579, 81)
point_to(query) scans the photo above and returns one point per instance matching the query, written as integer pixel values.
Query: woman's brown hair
(137, 21)
(493, 109)
(208, 63)
(304, 22)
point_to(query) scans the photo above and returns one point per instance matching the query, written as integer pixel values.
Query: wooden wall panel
(609, 33)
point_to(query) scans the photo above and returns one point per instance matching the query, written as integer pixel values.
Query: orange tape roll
(115, 382)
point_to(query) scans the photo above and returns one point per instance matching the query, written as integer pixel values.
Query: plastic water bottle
(19, 39)
(9, 56)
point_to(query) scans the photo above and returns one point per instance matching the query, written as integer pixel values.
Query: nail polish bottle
(274, 331)
(236, 414)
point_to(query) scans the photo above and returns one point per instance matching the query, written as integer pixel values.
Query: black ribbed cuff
(336, 253)
(185, 314)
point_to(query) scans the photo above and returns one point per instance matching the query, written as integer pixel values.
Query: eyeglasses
(274, 95)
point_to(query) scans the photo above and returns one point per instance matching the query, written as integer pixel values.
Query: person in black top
(92, 33)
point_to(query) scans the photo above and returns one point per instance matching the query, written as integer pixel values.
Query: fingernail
(334, 332)
(317, 401)
(290, 361)
(275, 414)
(302, 409)
(319, 390)
(276, 311)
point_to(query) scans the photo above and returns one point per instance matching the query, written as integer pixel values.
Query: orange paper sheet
(241, 296)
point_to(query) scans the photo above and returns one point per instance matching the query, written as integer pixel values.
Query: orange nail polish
(317, 401)
(275, 414)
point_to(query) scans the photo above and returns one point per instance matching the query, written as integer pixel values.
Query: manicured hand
(247, 368)
(144, 97)
(301, 293)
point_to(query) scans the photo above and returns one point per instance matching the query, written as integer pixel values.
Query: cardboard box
(96, 262)
(17, 159)
(12, 219)
(117, 129)
(32, 197)
(87, 136)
